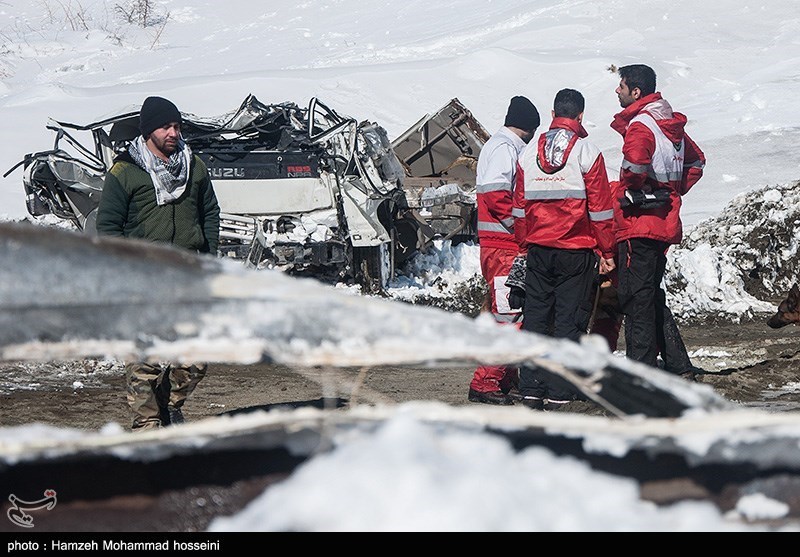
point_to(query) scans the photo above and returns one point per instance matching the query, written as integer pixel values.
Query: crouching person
(159, 191)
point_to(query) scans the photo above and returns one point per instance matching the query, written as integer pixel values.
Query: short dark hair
(568, 104)
(639, 75)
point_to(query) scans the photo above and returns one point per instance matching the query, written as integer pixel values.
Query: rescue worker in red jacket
(607, 322)
(497, 165)
(563, 210)
(660, 163)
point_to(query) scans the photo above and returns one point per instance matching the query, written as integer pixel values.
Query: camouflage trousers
(153, 389)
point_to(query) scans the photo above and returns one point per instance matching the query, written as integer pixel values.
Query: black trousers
(558, 302)
(650, 327)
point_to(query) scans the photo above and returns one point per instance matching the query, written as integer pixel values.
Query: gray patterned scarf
(169, 178)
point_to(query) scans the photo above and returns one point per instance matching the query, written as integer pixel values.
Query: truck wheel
(372, 268)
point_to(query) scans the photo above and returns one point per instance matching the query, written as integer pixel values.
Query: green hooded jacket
(128, 208)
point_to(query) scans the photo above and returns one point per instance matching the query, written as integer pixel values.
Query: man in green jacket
(159, 191)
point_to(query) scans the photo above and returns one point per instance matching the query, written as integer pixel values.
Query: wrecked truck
(305, 190)
(440, 156)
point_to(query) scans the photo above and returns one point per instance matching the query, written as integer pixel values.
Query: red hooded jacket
(562, 197)
(657, 153)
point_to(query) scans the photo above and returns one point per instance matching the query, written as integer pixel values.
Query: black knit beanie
(157, 112)
(522, 114)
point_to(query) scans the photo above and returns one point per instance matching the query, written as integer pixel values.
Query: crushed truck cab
(305, 190)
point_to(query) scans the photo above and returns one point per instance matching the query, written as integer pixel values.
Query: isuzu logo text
(227, 172)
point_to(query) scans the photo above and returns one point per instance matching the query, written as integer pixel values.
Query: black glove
(643, 200)
(516, 298)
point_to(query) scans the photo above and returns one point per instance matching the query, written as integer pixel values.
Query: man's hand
(607, 265)
(516, 298)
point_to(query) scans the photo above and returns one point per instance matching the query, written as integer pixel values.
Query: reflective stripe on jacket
(657, 153)
(494, 182)
(562, 198)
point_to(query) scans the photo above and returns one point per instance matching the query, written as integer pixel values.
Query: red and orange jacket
(657, 153)
(497, 166)
(562, 198)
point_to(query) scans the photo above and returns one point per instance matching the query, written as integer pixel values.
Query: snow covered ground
(733, 67)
